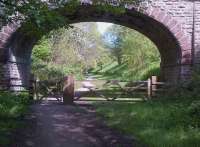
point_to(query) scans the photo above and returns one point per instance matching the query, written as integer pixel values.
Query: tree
(133, 51)
(113, 39)
(70, 51)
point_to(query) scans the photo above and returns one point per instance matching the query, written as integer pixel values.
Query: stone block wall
(197, 35)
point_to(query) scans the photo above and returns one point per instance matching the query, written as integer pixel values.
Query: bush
(12, 107)
(194, 113)
(153, 70)
(185, 89)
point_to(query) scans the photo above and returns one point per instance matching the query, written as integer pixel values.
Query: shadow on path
(52, 124)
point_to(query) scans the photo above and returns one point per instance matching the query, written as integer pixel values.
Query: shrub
(194, 113)
(12, 107)
(185, 89)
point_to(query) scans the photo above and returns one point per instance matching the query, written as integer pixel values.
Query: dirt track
(52, 124)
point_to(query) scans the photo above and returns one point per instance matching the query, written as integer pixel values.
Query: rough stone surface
(173, 25)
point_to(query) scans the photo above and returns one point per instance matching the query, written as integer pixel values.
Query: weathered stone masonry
(196, 41)
(173, 25)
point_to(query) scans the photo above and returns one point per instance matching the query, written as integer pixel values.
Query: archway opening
(101, 52)
(110, 50)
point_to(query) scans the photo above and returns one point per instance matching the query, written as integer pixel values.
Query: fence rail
(66, 86)
(149, 88)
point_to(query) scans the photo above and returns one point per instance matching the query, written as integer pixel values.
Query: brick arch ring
(183, 40)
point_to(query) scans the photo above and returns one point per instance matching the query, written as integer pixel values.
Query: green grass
(164, 122)
(124, 72)
(161, 123)
(12, 108)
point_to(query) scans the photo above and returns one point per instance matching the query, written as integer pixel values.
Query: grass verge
(12, 109)
(159, 123)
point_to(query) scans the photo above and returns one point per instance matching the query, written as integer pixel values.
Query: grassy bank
(12, 109)
(124, 72)
(161, 123)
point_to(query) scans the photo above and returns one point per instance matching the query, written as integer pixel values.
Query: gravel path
(52, 124)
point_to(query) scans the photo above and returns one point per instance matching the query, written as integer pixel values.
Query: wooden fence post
(36, 89)
(68, 90)
(31, 87)
(154, 86)
(149, 88)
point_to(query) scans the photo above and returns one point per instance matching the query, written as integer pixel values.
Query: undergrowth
(158, 123)
(12, 108)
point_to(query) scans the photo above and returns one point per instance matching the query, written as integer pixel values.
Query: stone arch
(158, 25)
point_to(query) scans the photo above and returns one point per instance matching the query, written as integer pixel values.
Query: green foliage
(137, 57)
(75, 51)
(110, 9)
(192, 88)
(187, 89)
(194, 113)
(39, 17)
(68, 51)
(122, 72)
(42, 50)
(12, 107)
(152, 70)
(155, 123)
(71, 7)
(47, 71)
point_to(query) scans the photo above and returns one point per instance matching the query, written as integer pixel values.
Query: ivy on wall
(39, 17)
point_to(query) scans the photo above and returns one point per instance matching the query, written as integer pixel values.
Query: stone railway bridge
(173, 25)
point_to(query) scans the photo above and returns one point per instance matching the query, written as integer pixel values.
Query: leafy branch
(39, 17)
